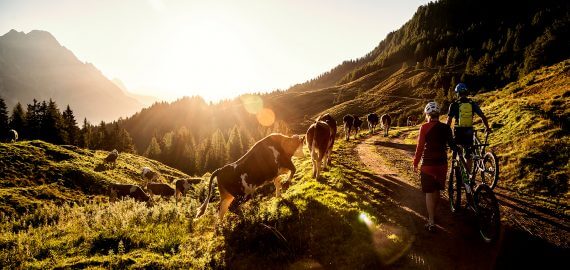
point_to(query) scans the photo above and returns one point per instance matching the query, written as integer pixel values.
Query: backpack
(465, 118)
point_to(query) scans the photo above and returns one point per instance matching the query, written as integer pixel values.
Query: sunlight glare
(252, 103)
(266, 117)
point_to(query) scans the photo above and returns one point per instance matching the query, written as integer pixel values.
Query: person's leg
(431, 203)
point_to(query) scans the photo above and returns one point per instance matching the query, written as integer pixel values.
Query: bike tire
(454, 187)
(488, 214)
(491, 169)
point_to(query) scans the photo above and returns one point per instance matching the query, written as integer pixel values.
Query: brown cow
(386, 121)
(412, 120)
(348, 121)
(119, 191)
(161, 189)
(372, 122)
(356, 124)
(327, 118)
(183, 185)
(112, 157)
(264, 162)
(318, 139)
(148, 174)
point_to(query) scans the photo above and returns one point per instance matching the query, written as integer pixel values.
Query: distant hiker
(13, 135)
(462, 111)
(431, 149)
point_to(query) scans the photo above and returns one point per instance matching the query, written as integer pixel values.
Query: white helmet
(431, 108)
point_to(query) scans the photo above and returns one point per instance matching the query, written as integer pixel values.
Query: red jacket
(432, 144)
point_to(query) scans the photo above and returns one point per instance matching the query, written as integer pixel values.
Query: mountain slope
(35, 65)
(36, 172)
(445, 42)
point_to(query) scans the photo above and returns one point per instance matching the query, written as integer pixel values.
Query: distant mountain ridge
(36, 65)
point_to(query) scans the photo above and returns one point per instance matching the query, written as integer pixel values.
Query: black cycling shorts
(463, 136)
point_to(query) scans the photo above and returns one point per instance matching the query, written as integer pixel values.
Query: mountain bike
(479, 197)
(486, 163)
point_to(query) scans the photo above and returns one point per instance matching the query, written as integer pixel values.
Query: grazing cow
(412, 120)
(119, 191)
(348, 121)
(356, 124)
(183, 185)
(148, 174)
(161, 189)
(327, 118)
(386, 123)
(318, 139)
(13, 135)
(112, 157)
(372, 122)
(264, 162)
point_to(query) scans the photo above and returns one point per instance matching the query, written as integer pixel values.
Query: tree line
(44, 121)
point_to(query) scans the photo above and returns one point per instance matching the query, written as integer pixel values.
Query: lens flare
(252, 103)
(266, 117)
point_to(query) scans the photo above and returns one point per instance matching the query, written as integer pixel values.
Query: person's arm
(450, 140)
(479, 112)
(419, 148)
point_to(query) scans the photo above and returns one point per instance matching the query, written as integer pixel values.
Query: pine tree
(3, 120)
(52, 123)
(33, 120)
(153, 150)
(18, 120)
(70, 127)
(125, 142)
(235, 147)
(86, 137)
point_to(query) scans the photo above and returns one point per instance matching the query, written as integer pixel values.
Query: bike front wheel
(454, 187)
(490, 170)
(488, 215)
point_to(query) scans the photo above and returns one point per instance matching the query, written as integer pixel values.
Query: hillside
(36, 66)
(445, 42)
(35, 173)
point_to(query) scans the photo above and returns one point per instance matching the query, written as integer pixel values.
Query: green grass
(36, 172)
(315, 221)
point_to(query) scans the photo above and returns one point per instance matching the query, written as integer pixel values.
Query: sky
(217, 49)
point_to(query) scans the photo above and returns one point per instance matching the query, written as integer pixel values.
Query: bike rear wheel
(488, 215)
(454, 187)
(490, 170)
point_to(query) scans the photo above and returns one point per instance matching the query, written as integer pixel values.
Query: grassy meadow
(314, 223)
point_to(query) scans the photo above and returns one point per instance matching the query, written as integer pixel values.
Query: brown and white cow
(386, 121)
(318, 140)
(119, 191)
(183, 185)
(372, 121)
(264, 162)
(161, 189)
(412, 120)
(148, 174)
(327, 118)
(348, 121)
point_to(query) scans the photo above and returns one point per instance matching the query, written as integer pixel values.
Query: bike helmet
(460, 88)
(431, 108)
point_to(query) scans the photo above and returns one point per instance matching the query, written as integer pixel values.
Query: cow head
(294, 145)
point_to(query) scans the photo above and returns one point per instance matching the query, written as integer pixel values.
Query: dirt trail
(456, 244)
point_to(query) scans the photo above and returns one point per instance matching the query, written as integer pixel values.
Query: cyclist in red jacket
(432, 150)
